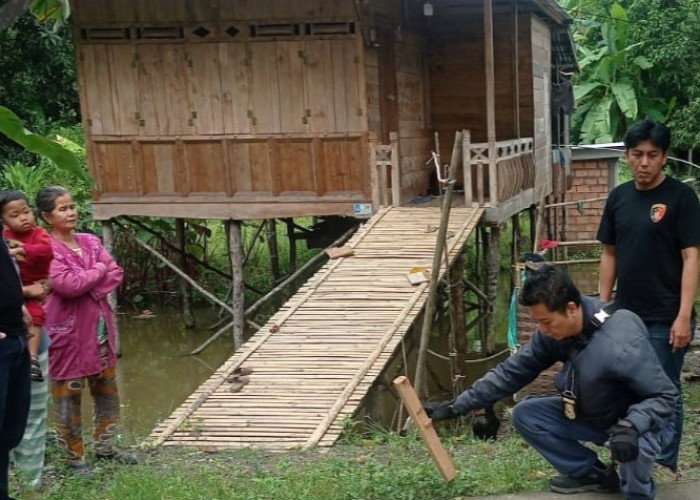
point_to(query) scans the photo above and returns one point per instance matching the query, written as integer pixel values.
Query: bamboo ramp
(317, 357)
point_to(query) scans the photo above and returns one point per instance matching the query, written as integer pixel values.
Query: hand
(34, 291)
(2, 335)
(18, 253)
(680, 333)
(624, 441)
(441, 410)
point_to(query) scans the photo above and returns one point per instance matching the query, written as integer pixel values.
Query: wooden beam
(425, 427)
(490, 101)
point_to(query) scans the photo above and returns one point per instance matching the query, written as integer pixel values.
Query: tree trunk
(185, 289)
(236, 256)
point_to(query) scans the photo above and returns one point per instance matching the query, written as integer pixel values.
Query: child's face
(18, 216)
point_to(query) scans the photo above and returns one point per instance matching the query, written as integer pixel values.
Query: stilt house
(249, 109)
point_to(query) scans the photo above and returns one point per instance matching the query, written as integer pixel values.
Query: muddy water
(156, 372)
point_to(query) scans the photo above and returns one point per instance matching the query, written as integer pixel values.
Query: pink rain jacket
(78, 298)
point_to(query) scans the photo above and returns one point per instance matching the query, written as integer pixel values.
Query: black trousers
(14, 400)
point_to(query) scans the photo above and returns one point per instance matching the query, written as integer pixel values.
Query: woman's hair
(46, 198)
(550, 286)
(9, 195)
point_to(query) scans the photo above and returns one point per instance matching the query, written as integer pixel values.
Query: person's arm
(113, 277)
(39, 249)
(36, 291)
(680, 330)
(608, 272)
(70, 282)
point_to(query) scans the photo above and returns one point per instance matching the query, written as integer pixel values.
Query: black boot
(601, 478)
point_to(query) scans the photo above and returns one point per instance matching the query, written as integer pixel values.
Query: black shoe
(603, 480)
(119, 457)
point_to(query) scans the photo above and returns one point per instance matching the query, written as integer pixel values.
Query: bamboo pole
(184, 276)
(435, 274)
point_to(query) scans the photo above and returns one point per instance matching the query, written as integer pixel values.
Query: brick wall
(590, 180)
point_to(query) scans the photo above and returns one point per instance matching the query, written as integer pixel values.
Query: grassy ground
(378, 466)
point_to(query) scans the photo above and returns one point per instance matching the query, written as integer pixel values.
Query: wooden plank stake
(425, 427)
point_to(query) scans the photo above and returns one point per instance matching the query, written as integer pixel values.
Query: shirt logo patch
(658, 210)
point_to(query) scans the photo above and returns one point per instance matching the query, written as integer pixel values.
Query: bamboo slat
(316, 358)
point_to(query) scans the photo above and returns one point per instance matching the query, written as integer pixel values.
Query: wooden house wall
(415, 136)
(205, 99)
(119, 12)
(412, 83)
(542, 70)
(457, 84)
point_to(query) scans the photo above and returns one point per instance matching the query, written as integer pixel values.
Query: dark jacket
(613, 371)
(11, 298)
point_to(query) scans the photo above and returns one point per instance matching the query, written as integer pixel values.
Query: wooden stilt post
(108, 242)
(514, 249)
(292, 245)
(421, 386)
(236, 256)
(458, 323)
(272, 247)
(492, 272)
(185, 289)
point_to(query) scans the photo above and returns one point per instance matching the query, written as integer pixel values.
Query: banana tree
(609, 89)
(13, 128)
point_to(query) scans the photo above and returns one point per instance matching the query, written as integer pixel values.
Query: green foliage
(57, 11)
(668, 32)
(37, 80)
(638, 58)
(610, 89)
(12, 127)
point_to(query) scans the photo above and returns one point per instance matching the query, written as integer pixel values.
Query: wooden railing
(384, 174)
(498, 170)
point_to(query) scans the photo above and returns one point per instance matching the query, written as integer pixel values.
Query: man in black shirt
(14, 364)
(650, 231)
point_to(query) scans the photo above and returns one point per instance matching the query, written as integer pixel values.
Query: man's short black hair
(550, 286)
(648, 130)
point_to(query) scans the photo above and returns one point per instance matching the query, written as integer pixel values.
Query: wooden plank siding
(542, 78)
(245, 101)
(274, 101)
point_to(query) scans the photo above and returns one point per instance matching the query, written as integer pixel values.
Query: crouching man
(613, 390)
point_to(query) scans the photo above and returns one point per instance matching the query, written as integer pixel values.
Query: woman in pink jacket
(81, 326)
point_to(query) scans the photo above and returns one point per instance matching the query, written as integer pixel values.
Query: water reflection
(156, 373)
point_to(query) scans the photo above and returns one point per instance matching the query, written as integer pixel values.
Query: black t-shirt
(649, 229)
(11, 299)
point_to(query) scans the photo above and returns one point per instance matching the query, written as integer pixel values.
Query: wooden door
(388, 93)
